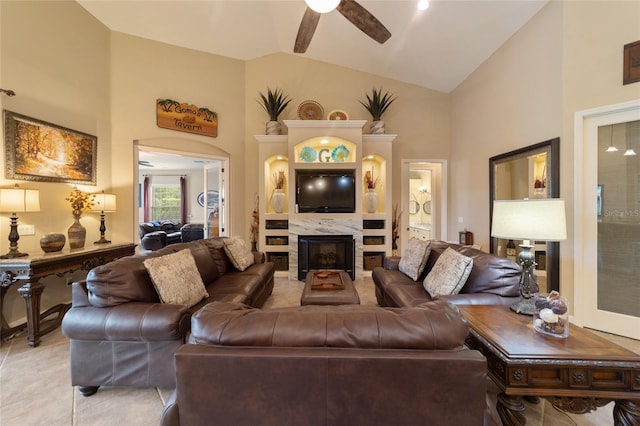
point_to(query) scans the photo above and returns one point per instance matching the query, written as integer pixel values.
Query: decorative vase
(371, 200)
(77, 234)
(52, 242)
(277, 200)
(377, 127)
(273, 128)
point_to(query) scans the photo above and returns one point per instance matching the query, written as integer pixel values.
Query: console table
(577, 374)
(31, 269)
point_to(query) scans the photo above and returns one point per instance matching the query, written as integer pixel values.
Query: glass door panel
(618, 218)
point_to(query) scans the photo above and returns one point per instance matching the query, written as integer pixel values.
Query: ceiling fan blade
(363, 19)
(306, 30)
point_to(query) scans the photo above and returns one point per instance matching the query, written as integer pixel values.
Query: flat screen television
(326, 191)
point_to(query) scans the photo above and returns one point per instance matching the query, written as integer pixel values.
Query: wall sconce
(103, 203)
(14, 200)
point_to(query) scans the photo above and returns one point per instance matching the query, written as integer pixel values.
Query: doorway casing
(439, 226)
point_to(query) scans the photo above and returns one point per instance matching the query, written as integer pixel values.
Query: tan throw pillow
(238, 252)
(414, 258)
(449, 273)
(176, 278)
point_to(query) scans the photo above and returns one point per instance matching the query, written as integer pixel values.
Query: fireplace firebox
(326, 252)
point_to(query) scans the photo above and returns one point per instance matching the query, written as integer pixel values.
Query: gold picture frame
(36, 150)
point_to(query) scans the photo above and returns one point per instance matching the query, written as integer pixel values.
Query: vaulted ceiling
(436, 48)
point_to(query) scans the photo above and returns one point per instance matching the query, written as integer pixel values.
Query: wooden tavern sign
(186, 118)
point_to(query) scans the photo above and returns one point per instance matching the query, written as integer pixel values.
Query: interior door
(607, 287)
(215, 210)
(424, 207)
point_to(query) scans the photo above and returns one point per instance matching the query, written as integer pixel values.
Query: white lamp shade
(104, 203)
(322, 6)
(14, 200)
(538, 220)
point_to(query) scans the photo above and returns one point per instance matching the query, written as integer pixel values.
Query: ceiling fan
(350, 9)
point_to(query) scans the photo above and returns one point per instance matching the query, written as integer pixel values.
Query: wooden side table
(31, 269)
(577, 374)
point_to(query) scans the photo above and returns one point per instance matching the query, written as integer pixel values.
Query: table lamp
(14, 200)
(538, 220)
(103, 203)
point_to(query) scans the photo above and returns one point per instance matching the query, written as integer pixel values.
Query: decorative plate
(337, 114)
(308, 154)
(340, 153)
(310, 110)
(212, 198)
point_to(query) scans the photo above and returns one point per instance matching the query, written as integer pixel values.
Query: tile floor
(35, 387)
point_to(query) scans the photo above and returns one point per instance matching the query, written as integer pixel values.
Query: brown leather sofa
(328, 365)
(493, 280)
(121, 335)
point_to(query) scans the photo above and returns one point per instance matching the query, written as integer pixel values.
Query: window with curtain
(165, 202)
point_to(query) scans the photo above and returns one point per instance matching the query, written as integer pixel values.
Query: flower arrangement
(80, 201)
(279, 180)
(254, 225)
(369, 181)
(541, 182)
(395, 227)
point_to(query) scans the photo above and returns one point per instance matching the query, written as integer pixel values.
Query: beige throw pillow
(238, 252)
(176, 278)
(449, 274)
(414, 258)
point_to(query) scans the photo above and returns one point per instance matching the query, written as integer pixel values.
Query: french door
(215, 209)
(607, 219)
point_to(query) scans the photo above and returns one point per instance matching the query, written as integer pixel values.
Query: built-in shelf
(371, 231)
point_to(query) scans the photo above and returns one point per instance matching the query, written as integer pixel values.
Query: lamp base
(13, 253)
(525, 307)
(102, 240)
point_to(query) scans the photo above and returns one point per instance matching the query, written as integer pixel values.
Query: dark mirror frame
(552, 147)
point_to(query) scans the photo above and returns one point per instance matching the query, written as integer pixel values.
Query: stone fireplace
(324, 233)
(326, 252)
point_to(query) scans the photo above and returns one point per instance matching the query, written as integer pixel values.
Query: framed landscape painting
(39, 151)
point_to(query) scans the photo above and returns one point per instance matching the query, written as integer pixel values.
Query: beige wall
(106, 84)
(62, 78)
(143, 71)
(420, 117)
(566, 59)
(67, 68)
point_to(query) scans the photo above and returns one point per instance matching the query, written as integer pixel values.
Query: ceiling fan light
(322, 6)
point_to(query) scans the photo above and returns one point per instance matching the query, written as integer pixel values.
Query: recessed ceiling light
(324, 141)
(423, 5)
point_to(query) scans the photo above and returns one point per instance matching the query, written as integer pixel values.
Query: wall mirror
(529, 172)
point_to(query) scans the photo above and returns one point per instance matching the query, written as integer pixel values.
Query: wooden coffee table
(329, 288)
(577, 374)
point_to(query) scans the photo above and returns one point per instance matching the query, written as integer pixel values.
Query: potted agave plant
(377, 104)
(273, 103)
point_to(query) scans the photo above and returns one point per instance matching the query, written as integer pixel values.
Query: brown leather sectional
(121, 335)
(328, 365)
(493, 280)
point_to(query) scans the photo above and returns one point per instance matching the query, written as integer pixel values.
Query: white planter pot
(278, 199)
(272, 128)
(371, 201)
(377, 127)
